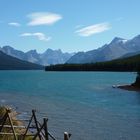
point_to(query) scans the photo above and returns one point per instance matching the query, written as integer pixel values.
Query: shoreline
(129, 87)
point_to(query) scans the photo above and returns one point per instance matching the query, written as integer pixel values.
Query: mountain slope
(115, 49)
(11, 63)
(54, 57)
(130, 54)
(47, 58)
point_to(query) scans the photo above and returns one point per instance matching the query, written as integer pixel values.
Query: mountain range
(49, 57)
(117, 48)
(11, 63)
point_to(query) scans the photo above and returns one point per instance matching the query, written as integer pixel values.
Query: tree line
(123, 64)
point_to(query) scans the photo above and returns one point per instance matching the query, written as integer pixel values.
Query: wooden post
(36, 124)
(49, 134)
(5, 117)
(4, 120)
(38, 132)
(46, 129)
(12, 127)
(27, 128)
(37, 127)
(67, 136)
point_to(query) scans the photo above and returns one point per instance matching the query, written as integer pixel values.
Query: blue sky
(70, 25)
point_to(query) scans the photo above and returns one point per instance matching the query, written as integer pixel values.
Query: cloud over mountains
(38, 35)
(93, 29)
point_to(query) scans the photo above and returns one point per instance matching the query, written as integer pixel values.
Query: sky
(69, 25)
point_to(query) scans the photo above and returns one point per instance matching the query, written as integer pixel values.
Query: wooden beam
(5, 133)
(4, 120)
(37, 127)
(16, 126)
(9, 126)
(38, 132)
(10, 120)
(46, 129)
(48, 133)
(27, 127)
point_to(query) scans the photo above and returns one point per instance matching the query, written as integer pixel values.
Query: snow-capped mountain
(118, 47)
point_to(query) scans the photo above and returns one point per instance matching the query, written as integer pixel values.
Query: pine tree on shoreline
(137, 82)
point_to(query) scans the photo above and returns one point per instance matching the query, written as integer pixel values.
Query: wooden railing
(34, 128)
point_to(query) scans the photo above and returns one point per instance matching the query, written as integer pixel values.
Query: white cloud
(93, 29)
(38, 35)
(14, 24)
(43, 18)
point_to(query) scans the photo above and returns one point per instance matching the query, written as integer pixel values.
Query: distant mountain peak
(136, 38)
(51, 51)
(117, 40)
(7, 47)
(32, 51)
(59, 50)
(118, 47)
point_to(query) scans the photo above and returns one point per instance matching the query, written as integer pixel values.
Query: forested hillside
(124, 64)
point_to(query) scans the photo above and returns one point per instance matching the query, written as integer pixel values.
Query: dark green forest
(123, 64)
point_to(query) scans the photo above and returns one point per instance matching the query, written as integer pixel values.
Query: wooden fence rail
(34, 128)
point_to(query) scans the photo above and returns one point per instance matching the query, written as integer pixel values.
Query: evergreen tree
(137, 82)
(138, 78)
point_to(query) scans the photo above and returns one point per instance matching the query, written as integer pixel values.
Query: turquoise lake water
(82, 103)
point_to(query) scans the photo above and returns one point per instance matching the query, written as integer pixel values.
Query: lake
(82, 103)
